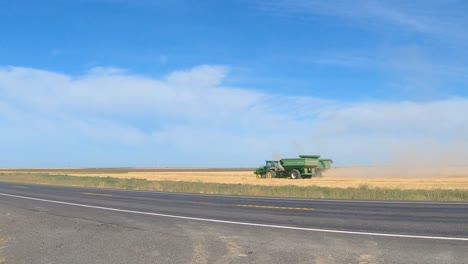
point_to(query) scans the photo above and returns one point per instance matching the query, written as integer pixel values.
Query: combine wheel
(259, 176)
(283, 174)
(295, 174)
(271, 174)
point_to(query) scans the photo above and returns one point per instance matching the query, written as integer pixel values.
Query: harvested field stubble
(415, 178)
(361, 192)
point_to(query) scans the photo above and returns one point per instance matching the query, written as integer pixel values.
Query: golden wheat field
(341, 177)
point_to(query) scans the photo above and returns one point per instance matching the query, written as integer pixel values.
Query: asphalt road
(51, 224)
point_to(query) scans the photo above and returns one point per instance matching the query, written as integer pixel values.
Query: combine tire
(271, 174)
(283, 174)
(295, 174)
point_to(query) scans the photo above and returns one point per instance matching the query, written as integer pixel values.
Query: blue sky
(89, 83)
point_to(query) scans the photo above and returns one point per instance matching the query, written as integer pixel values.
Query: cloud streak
(431, 17)
(418, 47)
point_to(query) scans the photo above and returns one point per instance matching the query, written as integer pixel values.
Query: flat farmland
(404, 178)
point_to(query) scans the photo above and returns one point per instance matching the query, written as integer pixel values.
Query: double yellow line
(97, 194)
(239, 205)
(21, 187)
(276, 207)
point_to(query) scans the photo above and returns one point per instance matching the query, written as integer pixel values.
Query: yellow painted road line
(97, 194)
(276, 207)
(21, 187)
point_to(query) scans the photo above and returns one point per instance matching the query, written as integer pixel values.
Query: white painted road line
(240, 223)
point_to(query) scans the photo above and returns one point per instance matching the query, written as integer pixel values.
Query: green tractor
(306, 166)
(272, 169)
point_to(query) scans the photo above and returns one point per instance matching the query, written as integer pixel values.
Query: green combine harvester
(306, 166)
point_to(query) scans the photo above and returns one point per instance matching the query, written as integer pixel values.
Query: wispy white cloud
(56, 52)
(420, 52)
(163, 59)
(191, 115)
(345, 60)
(409, 69)
(444, 19)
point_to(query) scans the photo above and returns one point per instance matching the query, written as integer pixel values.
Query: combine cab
(272, 169)
(306, 166)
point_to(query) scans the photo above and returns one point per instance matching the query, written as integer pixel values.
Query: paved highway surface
(52, 224)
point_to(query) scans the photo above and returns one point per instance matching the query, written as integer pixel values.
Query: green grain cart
(306, 166)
